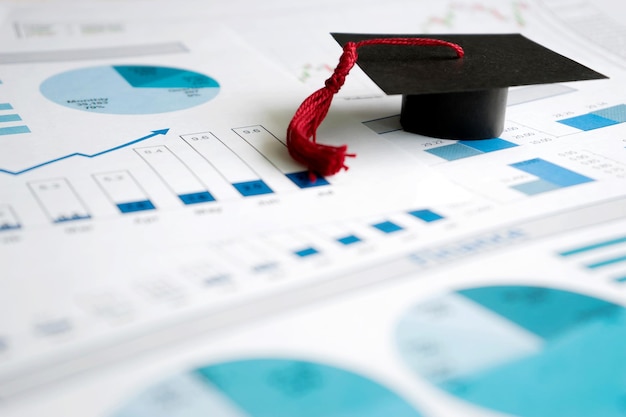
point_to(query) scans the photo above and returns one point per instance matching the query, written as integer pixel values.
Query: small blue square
(348, 240)
(303, 179)
(388, 227)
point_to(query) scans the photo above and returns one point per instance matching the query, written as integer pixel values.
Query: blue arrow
(132, 142)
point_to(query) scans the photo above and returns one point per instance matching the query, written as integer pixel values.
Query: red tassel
(301, 133)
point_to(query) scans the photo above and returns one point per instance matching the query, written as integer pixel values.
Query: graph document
(162, 255)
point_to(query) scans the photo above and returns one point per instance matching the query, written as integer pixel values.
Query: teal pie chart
(520, 350)
(129, 89)
(267, 387)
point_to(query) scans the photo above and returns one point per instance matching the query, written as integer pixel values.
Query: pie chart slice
(524, 351)
(129, 89)
(267, 388)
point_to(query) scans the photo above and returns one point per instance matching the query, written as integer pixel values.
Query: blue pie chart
(521, 350)
(267, 387)
(129, 89)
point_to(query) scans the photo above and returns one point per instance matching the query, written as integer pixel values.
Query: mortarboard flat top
(461, 98)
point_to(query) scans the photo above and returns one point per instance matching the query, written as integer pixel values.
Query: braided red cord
(301, 133)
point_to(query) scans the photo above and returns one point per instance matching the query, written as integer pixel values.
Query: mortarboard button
(461, 98)
(452, 86)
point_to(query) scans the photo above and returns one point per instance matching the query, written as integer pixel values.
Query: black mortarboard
(462, 98)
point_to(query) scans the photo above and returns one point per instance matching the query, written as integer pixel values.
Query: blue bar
(5, 106)
(14, 130)
(136, 206)
(535, 187)
(488, 145)
(8, 226)
(606, 262)
(426, 215)
(551, 172)
(348, 240)
(302, 180)
(621, 279)
(250, 188)
(388, 227)
(454, 152)
(195, 198)
(306, 252)
(615, 113)
(593, 246)
(71, 219)
(587, 122)
(9, 118)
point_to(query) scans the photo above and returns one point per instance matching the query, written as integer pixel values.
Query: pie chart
(129, 89)
(521, 350)
(267, 387)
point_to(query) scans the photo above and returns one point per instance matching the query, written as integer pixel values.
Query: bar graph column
(8, 219)
(550, 177)
(59, 200)
(124, 191)
(276, 153)
(228, 164)
(178, 177)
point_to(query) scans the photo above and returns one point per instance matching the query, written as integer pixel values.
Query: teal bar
(14, 130)
(5, 106)
(10, 118)
(606, 262)
(593, 246)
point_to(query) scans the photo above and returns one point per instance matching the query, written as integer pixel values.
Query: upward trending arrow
(132, 142)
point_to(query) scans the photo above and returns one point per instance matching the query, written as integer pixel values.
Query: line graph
(84, 155)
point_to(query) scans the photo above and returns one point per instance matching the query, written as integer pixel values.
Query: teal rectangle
(5, 106)
(488, 145)
(615, 113)
(550, 172)
(9, 118)
(588, 121)
(593, 246)
(535, 187)
(606, 262)
(14, 130)
(454, 152)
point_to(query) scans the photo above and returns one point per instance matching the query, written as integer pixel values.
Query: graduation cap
(452, 86)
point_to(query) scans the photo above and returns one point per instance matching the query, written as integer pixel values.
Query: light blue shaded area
(545, 312)
(71, 218)
(250, 188)
(588, 121)
(606, 262)
(580, 374)
(103, 90)
(426, 215)
(291, 388)
(14, 130)
(621, 279)
(5, 106)
(163, 77)
(9, 226)
(454, 151)
(550, 172)
(196, 198)
(593, 246)
(185, 395)
(349, 240)
(134, 206)
(303, 253)
(535, 187)
(303, 180)
(488, 145)
(615, 113)
(388, 227)
(10, 118)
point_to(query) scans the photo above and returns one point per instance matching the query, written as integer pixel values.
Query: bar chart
(606, 257)
(550, 177)
(124, 191)
(59, 200)
(172, 170)
(228, 164)
(597, 119)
